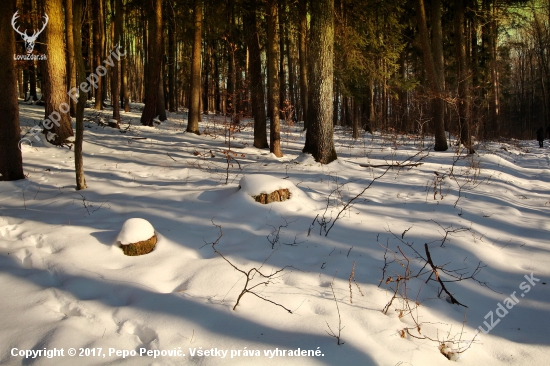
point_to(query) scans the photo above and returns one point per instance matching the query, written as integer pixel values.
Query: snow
(65, 285)
(135, 230)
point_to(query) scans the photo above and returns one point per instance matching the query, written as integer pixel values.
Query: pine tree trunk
(257, 92)
(302, 48)
(71, 71)
(56, 98)
(171, 64)
(437, 50)
(81, 78)
(282, 73)
(194, 106)
(463, 76)
(273, 77)
(115, 76)
(11, 161)
(98, 46)
(319, 135)
(154, 62)
(438, 104)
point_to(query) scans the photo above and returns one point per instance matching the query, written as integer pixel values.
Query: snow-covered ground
(328, 265)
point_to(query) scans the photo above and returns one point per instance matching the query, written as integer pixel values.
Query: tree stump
(137, 237)
(279, 195)
(141, 247)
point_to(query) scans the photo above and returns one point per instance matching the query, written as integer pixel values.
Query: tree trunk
(463, 76)
(437, 50)
(115, 76)
(161, 105)
(302, 39)
(57, 107)
(255, 71)
(319, 135)
(154, 63)
(71, 71)
(194, 106)
(282, 73)
(438, 104)
(11, 161)
(81, 75)
(273, 77)
(98, 46)
(171, 64)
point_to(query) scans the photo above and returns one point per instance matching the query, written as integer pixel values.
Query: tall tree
(115, 76)
(98, 50)
(82, 97)
(194, 106)
(154, 63)
(438, 103)
(255, 71)
(463, 77)
(55, 87)
(319, 135)
(273, 77)
(71, 72)
(302, 41)
(11, 161)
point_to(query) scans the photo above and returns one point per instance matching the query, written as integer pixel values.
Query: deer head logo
(29, 40)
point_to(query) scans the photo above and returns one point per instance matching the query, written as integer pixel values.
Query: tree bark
(438, 104)
(463, 77)
(194, 106)
(98, 46)
(255, 71)
(56, 97)
(273, 77)
(154, 62)
(11, 161)
(115, 76)
(319, 135)
(81, 78)
(302, 39)
(171, 64)
(71, 71)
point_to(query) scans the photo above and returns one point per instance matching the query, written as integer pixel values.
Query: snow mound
(135, 230)
(256, 184)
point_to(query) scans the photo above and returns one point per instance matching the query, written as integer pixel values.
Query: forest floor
(332, 255)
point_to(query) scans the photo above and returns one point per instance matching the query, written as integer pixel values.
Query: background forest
(471, 67)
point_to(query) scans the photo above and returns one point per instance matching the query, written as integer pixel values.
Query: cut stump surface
(141, 247)
(279, 195)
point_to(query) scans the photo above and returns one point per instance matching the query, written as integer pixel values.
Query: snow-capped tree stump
(141, 247)
(266, 188)
(137, 237)
(279, 195)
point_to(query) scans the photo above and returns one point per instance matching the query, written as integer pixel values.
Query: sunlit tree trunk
(71, 71)
(81, 78)
(56, 97)
(194, 106)
(115, 75)
(319, 135)
(273, 77)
